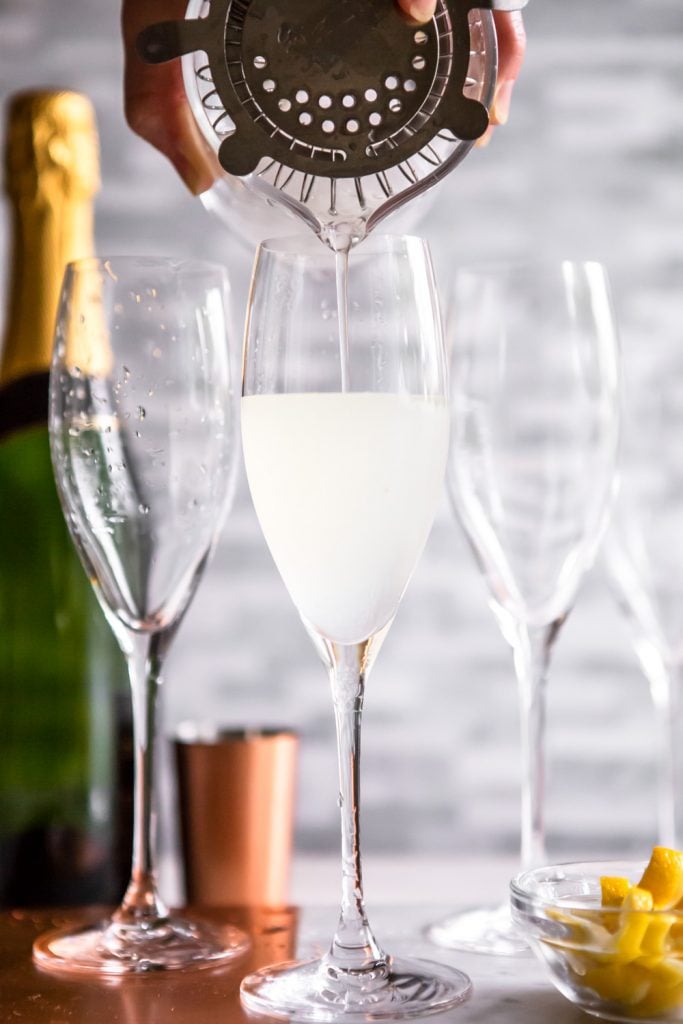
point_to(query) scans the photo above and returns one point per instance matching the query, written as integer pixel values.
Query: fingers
(511, 50)
(155, 103)
(418, 11)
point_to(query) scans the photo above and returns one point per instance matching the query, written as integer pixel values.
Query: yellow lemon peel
(663, 877)
(614, 890)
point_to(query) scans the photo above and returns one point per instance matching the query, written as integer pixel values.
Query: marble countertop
(403, 895)
(505, 990)
(406, 879)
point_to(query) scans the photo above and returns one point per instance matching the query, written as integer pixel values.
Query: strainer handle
(167, 40)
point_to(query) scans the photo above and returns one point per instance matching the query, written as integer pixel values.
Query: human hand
(511, 50)
(155, 103)
(157, 109)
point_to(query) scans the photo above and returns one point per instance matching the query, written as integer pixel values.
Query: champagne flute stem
(354, 947)
(675, 749)
(144, 657)
(665, 686)
(532, 657)
(666, 786)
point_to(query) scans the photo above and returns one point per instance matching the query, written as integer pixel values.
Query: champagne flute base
(489, 930)
(170, 944)
(316, 990)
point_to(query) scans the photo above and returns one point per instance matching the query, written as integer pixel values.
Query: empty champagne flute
(534, 412)
(642, 552)
(345, 433)
(144, 438)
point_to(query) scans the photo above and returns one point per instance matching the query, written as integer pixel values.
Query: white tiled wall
(591, 164)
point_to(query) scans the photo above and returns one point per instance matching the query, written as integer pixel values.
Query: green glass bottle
(64, 743)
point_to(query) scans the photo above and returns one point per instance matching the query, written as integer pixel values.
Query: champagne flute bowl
(534, 400)
(143, 432)
(345, 433)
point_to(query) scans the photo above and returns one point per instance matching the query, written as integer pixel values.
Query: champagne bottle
(64, 810)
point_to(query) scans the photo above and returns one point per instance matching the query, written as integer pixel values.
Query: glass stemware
(345, 434)
(642, 552)
(534, 412)
(143, 430)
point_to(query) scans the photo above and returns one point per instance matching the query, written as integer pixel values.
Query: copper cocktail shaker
(236, 792)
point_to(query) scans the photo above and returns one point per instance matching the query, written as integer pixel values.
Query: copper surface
(236, 795)
(31, 996)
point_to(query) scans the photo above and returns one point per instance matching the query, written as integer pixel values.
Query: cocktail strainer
(339, 109)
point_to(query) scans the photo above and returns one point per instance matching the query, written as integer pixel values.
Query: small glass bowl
(617, 964)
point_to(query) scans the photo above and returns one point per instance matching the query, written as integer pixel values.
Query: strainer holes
(352, 126)
(371, 95)
(325, 102)
(301, 96)
(349, 101)
(391, 82)
(305, 118)
(285, 105)
(328, 127)
(395, 105)
(375, 119)
(420, 37)
(260, 63)
(409, 85)
(419, 62)
(269, 85)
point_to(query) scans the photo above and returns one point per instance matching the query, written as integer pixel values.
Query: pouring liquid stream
(341, 242)
(341, 259)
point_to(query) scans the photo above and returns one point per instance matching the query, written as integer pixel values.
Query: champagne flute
(345, 434)
(642, 551)
(143, 431)
(534, 388)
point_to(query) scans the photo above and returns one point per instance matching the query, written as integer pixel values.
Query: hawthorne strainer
(341, 110)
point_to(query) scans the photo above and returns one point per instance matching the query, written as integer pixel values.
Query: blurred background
(589, 166)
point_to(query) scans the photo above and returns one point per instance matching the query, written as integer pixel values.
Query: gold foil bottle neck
(52, 148)
(51, 175)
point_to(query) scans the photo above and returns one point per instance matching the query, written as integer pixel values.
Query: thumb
(418, 11)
